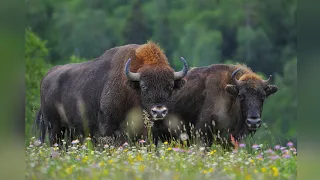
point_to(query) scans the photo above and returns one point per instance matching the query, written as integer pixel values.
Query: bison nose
(254, 122)
(159, 112)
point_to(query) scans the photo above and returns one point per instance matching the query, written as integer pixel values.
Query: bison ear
(232, 89)
(133, 84)
(179, 83)
(271, 89)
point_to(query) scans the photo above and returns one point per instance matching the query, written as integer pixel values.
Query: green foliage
(280, 109)
(35, 53)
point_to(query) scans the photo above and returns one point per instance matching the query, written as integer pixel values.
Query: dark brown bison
(98, 94)
(219, 101)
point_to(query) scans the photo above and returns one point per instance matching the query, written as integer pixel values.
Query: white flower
(184, 136)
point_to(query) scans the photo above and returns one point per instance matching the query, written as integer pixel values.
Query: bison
(99, 93)
(219, 101)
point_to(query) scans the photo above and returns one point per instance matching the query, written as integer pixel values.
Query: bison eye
(143, 88)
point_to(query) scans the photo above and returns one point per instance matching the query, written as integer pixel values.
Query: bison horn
(267, 81)
(183, 72)
(233, 76)
(130, 75)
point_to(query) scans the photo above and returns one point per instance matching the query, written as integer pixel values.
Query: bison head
(251, 93)
(155, 85)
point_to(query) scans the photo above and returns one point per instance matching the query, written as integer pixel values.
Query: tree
(35, 53)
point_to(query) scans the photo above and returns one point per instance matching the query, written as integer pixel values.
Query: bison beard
(93, 98)
(219, 101)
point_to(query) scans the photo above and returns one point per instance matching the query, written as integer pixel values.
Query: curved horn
(130, 75)
(233, 76)
(183, 72)
(267, 81)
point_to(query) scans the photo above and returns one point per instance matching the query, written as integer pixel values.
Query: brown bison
(221, 100)
(98, 94)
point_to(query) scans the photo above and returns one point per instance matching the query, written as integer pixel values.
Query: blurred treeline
(259, 33)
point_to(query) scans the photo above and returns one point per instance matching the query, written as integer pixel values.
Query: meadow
(168, 161)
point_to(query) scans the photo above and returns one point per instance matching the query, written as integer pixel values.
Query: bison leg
(55, 134)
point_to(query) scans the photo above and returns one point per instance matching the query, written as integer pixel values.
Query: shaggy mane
(247, 73)
(151, 54)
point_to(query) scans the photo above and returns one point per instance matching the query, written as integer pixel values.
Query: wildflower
(269, 151)
(248, 177)
(263, 169)
(184, 136)
(75, 141)
(212, 152)
(290, 144)
(165, 143)
(142, 141)
(55, 145)
(125, 144)
(274, 157)
(176, 149)
(142, 167)
(251, 161)
(85, 159)
(37, 143)
(169, 149)
(256, 146)
(106, 146)
(182, 150)
(101, 164)
(286, 156)
(242, 145)
(202, 148)
(88, 138)
(205, 171)
(139, 158)
(260, 157)
(282, 148)
(277, 147)
(69, 170)
(275, 171)
(110, 161)
(78, 158)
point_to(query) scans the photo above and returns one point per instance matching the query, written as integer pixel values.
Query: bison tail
(39, 126)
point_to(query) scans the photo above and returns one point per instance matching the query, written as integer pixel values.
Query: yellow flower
(101, 164)
(165, 142)
(212, 152)
(85, 159)
(205, 171)
(169, 149)
(255, 171)
(139, 158)
(211, 170)
(142, 167)
(110, 161)
(251, 161)
(248, 177)
(275, 171)
(263, 169)
(69, 170)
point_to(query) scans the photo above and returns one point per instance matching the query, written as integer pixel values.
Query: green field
(170, 161)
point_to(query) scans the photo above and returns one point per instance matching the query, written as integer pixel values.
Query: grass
(170, 161)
